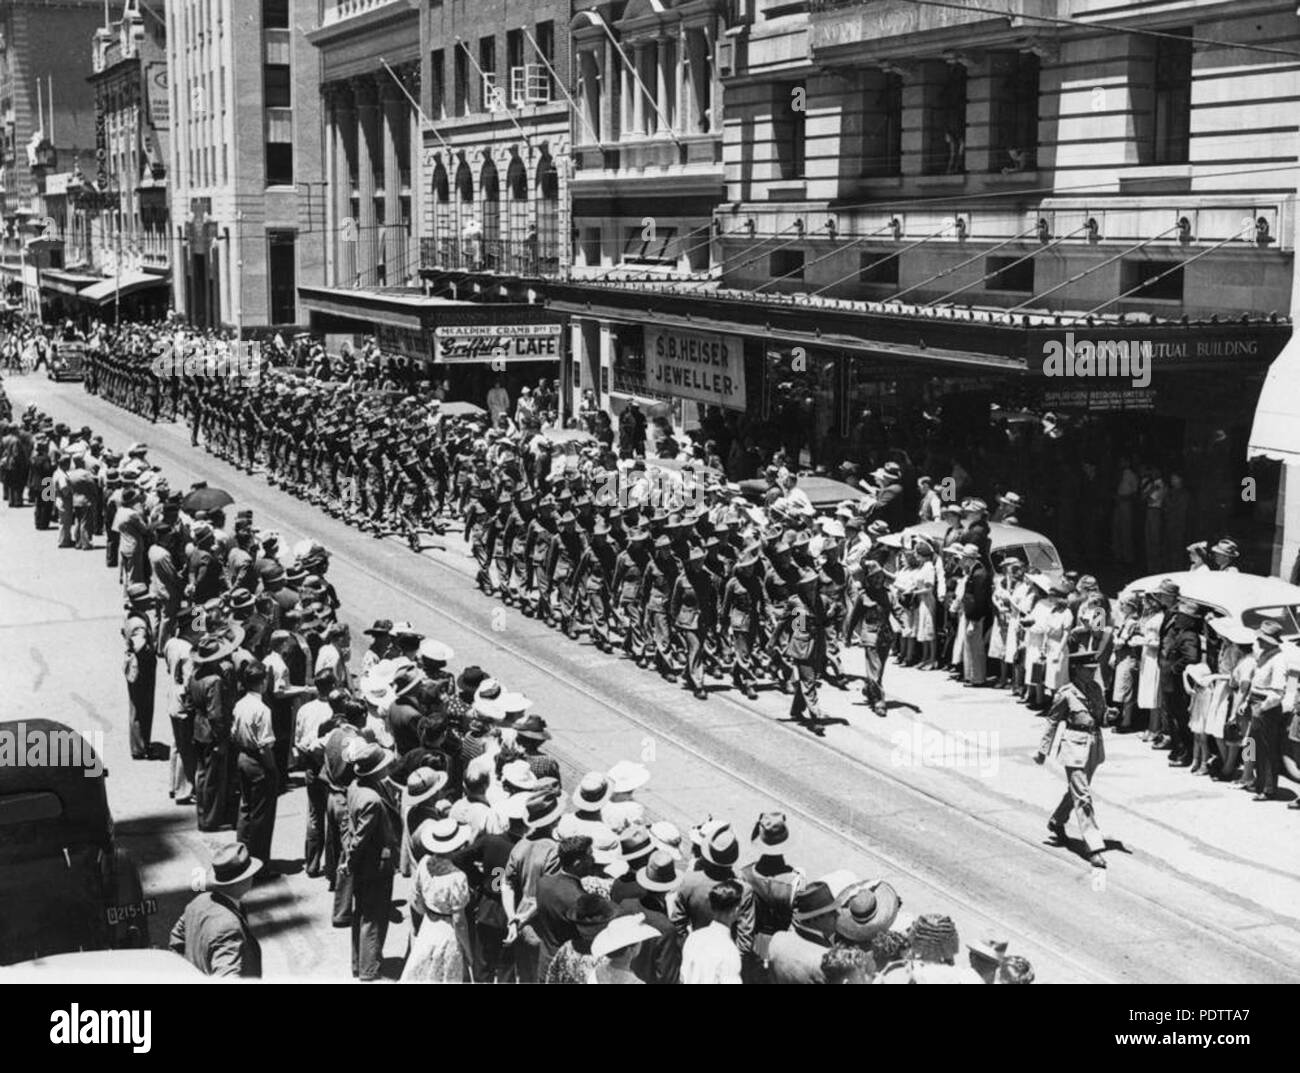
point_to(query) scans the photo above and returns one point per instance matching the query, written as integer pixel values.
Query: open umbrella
(206, 499)
(461, 409)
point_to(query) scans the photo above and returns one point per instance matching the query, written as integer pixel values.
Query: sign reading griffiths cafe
(463, 344)
(695, 365)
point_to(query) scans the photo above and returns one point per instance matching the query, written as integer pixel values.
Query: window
(276, 85)
(786, 264)
(1172, 104)
(487, 62)
(877, 267)
(882, 124)
(438, 84)
(548, 216)
(282, 273)
(279, 163)
(275, 14)
(462, 81)
(515, 65)
(1013, 112)
(1142, 275)
(650, 246)
(545, 38)
(789, 128)
(1009, 276)
(945, 122)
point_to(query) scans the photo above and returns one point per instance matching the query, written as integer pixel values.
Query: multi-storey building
(115, 231)
(249, 199)
(46, 106)
(447, 161)
(924, 201)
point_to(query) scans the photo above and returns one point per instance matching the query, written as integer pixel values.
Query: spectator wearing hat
(531, 734)
(589, 799)
(485, 861)
(1267, 687)
(283, 695)
(625, 778)
(575, 962)
(534, 855)
(1224, 556)
(370, 854)
(345, 727)
(719, 852)
(434, 657)
(709, 953)
(381, 644)
(204, 579)
(309, 753)
(440, 947)
(259, 781)
(775, 884)
(1079, 708)
(795, 955)
(210, 699)
(1180, 648)
(140, 668)
(867, 910)
(618, 947)
(213, 933)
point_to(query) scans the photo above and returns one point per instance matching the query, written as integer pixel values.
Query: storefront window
(802, 387)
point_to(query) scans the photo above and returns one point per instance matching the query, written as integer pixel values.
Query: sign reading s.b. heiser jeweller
(695, 365)
(487, 342)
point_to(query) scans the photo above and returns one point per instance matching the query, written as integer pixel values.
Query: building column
(394, 115)
(638, 95)
(681, 119)
(369, 148)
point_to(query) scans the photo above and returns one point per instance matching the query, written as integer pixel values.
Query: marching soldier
(656, 590)
(742, 609)
(870, 624)
(693, 610)
(802, 633)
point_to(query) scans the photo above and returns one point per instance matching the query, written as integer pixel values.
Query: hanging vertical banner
(160, 107)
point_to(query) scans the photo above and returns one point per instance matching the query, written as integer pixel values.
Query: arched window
(464, 207)
(442, 229)
(548, 217)
(490, 188)
(517, 213)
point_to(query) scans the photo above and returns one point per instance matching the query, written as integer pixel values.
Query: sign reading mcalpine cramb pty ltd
(695, 365)
(491, 342)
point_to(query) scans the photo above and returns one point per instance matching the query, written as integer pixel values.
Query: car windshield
(1036, 557)
(1286, 615)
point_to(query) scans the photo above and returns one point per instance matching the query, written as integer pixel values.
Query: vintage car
(1036, 551)
(65, 884)
(104, 967)
(1252, 598)
(67, 360)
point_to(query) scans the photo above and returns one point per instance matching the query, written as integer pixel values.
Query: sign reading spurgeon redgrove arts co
(695, 365)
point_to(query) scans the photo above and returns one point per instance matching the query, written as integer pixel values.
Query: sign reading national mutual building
(696, 365)
(468, 343)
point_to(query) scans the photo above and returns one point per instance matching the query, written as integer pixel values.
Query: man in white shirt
(310, 747)
(709, 956)
(259, 784)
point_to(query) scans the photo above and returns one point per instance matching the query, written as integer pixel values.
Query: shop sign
(703, 366)
(486, 343)
(1119, 400)
(160, 110)
(406, 342)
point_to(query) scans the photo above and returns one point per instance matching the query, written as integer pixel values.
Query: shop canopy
(1276, 431)
(107, 290)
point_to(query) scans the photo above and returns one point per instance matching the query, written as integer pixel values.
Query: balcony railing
(348, 9)
(836, 23)
(506, 257)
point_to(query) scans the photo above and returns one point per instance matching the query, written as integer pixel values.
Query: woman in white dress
(1023, 597)
(1148, 698)
(925, 586)
(1003, 588)
(440, 950)
(1056, 645)
(1035, 625)
(905, 599)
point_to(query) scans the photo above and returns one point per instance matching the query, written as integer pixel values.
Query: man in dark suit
(370, 855)
(213, 933)
(977, 610)
(1180, 647)
(556, 897)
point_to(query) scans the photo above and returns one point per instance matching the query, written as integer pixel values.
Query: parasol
(206, 499)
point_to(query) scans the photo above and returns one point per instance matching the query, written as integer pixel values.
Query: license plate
(120, 914)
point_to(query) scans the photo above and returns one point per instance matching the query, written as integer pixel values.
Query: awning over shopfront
(128, 283)
(1275, 433)
(71, 284)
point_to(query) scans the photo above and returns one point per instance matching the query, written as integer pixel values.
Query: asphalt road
(941, 797)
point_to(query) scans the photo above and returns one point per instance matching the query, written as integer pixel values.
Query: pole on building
(416, 105)
(636, 74)
(561, 87)
(483, 81)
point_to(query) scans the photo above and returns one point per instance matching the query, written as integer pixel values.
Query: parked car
(824, 493)
(65, 884)
(104, 967)
(1037, 552)
(1252, 598)
(67, 360)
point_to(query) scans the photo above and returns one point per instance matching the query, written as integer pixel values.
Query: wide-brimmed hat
(667, 838)
(370, 759)
(443, 836)
(513, 704)
(241, 599)
(518, 777)
(635, 844)
(1226, 547)
(771, 837)
(532, 728)
(543, 809)
(383, 627)
(814, 901)
(1087, 658)
(435, 651)
(138, 593)
(593, 792)
(607, 852)
(622, 932)
(212, 648)
(232, 864)
(720, 846)
(1270, 633)
(1189, 607)
(866, 910)
(406, 630)
(659, 874)
(627, 776)
(1233, 630)
(422, 784)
